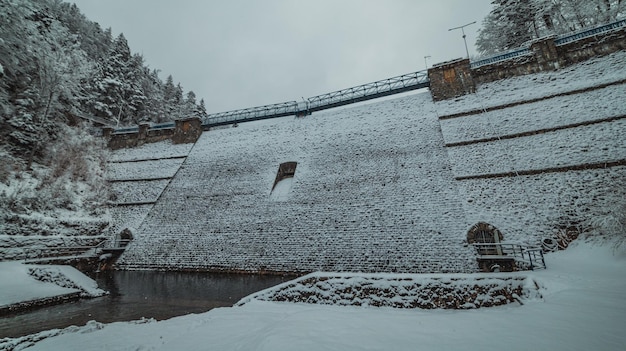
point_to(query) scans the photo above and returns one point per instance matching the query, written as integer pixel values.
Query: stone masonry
(455, 78)
(373, 191)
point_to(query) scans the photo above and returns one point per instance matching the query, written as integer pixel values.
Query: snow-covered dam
(392, 186)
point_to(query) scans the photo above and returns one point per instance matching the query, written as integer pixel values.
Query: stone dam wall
(392, 186)
(372, 191)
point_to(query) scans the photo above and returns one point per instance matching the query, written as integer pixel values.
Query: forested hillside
(59, 72)
(513, 23)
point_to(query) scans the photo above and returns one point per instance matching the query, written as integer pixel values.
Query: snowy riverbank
(582, 307)
(24, 286)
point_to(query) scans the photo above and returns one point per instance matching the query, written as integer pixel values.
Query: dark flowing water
(133, 295)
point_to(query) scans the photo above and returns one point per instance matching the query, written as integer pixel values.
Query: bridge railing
(363, 92)
(165, 125)
(585, 33)
(135, 129)
(501, 57)
(252, 113)
(125, 130)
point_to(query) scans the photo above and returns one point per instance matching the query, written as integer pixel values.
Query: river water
(137, 294)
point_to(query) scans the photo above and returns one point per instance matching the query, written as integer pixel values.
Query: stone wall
(584, 49)
(137, 177)
(372, 191)
(455, 78)
(183, 131)
(390, 187)
(393, 186)
(451, 79)
(187, 131)
(534, 169)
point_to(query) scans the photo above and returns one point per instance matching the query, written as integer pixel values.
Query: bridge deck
(386, 87)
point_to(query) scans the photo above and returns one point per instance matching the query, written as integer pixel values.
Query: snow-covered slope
(25, 284)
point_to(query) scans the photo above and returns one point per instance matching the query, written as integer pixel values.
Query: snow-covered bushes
(76, 177)
(611, 225)
(71, 179)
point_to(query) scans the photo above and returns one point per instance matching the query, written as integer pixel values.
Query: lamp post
(463, 31)
(425, 61)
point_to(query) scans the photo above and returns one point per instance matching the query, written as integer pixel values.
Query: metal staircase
(509, 257)
(102, 255)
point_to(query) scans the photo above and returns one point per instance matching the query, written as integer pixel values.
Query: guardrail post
(107, 131)
(143, 133)
(187, 130)
(545, 53)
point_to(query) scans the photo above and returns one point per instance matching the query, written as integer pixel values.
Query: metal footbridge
(381, 88)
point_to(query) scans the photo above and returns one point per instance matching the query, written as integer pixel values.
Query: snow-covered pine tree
(119, 96)
(510, 24)
(45, 69)
(153, 108)
(190, 108)
(202, 109)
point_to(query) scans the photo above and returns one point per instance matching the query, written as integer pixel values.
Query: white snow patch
(282, 189)
(23, 283)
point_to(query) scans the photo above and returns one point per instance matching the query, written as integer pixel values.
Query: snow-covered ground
(582, 307)
(22, 283)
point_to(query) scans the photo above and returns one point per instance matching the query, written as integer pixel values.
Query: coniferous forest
(60, 72)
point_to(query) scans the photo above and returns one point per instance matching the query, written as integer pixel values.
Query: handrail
(64, 251)
(135, 129)
(531, 255)
(589, 32)
(501, 57)
(125, 130)
(165, 125)
(389, 86)
(252, 113)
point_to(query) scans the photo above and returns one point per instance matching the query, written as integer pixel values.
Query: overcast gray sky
(245, 53)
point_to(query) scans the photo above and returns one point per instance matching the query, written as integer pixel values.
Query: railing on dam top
(282, 109)
(564, 39)
(390, 86)
(560, 40)
(135, 129)
(124, 130)
(501, 57)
